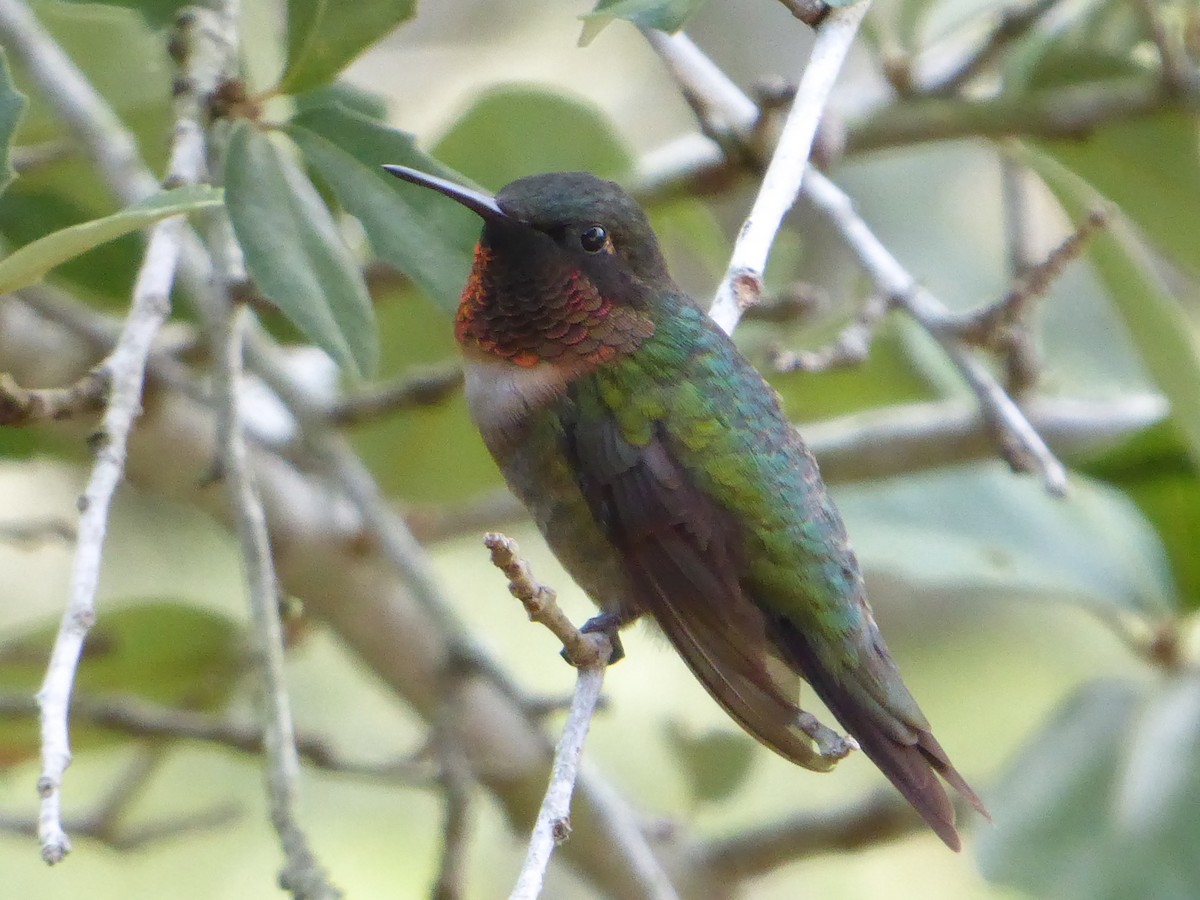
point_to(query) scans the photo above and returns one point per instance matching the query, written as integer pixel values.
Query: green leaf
(30, 263)
(294, 252)
(715, 763)
(342, 94)
(12, 104)
(1155, 472)
(324, 36)
(665, 15)
(156, 12)
(515, 131)
(1103, 803)
(163, 651)
(136, 81)
(982, 532)
(419, 232)
(1151, 169)
(1165, 337)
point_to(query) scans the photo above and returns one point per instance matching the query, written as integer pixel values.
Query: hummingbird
(660, 469)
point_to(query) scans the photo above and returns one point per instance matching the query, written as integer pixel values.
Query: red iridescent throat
(556, 315)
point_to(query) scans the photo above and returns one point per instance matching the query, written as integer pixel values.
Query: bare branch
(916, 437)
(455, 780)
(409, 391)
(881, 817)
(136, 717)
(302, 874)
(1018, 442)
(589, 652)
(849, 348)
(984, 327)
(1013, 23)
(742, 284)
(541, 604)
(124, 369)
(33, 531)
(553, 824)
(21, 406)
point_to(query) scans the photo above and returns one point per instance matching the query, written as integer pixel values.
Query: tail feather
(905, 751)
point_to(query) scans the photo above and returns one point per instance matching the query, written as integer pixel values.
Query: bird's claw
(830, 744)
(607, 624)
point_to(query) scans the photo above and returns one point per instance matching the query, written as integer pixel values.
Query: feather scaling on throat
(528, 315)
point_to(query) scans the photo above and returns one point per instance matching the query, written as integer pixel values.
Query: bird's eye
(593, 239)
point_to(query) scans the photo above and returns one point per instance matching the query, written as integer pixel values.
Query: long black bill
(476, 201)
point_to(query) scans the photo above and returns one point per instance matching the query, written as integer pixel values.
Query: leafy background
(999, 601)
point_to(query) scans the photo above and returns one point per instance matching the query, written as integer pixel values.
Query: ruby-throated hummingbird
(663, 474)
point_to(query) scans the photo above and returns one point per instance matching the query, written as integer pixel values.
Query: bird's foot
(607, 624)
(830, 744)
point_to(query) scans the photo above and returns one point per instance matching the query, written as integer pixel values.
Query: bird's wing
(682, 551)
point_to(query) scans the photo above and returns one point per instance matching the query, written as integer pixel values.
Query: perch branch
(589, 653)
(541, 602)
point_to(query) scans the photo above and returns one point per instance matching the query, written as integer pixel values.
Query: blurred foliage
(665, 15)
(165, 651)
(322, 40)
(715, 763)
(29, 264)
(1103, 800)
(12, 104)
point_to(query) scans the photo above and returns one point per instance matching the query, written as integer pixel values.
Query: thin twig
(553, 825)
(742, 283)
(407, 392)
(981, 327)
(1013, 23)
(124, 370)
(540, 601)
(1017, 441)
(589, 653)
(849, 348)
(34, 531)
(455, 780)
(302, 874)
(1021, 446)
(21, 406)
(136, 717)
(1178, 73)
(881, 817)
